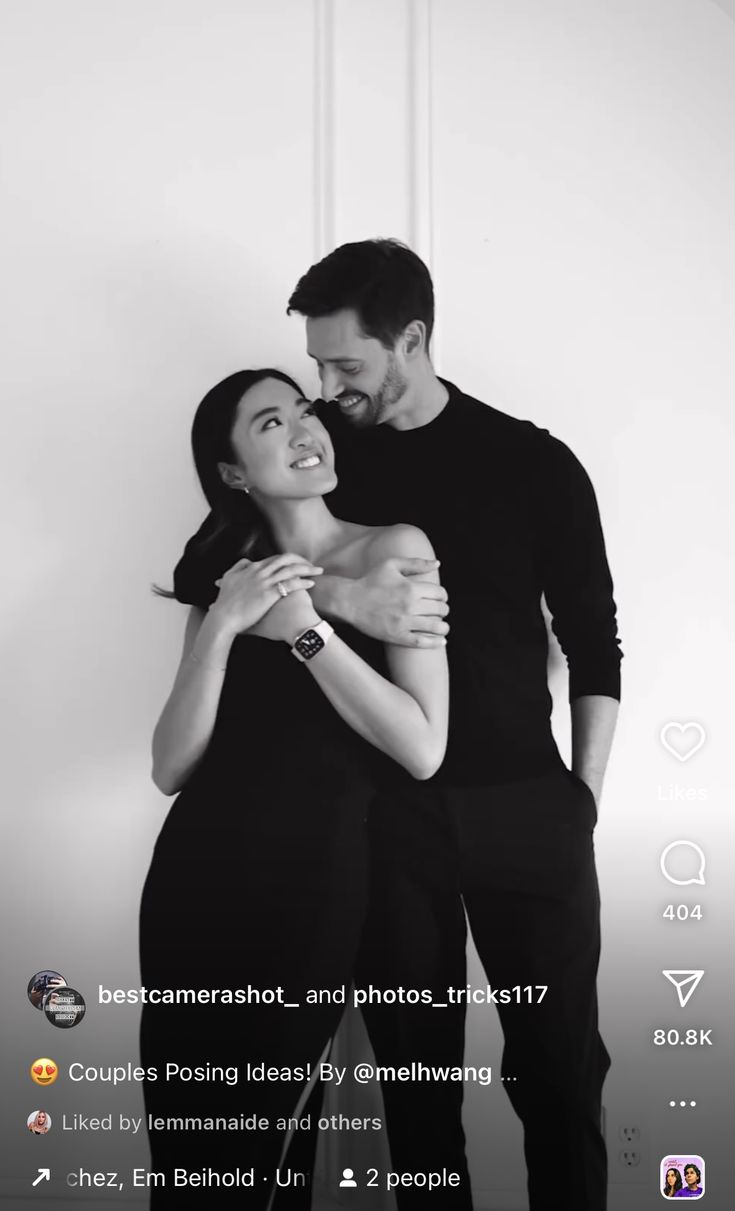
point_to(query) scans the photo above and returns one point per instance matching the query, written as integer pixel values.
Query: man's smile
(350, 400)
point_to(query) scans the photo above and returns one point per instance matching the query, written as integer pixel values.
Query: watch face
(308, 644)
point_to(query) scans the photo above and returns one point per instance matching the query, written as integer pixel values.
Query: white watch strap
(322, 628)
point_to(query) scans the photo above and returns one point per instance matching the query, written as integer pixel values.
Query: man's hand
(593, 726)
(391, 602)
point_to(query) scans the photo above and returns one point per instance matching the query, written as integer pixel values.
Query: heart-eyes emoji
(44, 1071)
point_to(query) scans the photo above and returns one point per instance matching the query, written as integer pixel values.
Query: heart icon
(683, 740)
(50, 1069)
(38, 1069)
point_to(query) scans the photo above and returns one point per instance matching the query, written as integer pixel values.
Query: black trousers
(522, 856)
(415, 939)
(278, 904)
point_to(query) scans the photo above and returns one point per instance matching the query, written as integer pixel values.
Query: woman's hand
(248, 590)
(287, 618)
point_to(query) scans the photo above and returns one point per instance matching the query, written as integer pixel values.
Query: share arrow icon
(685, 983)
(44, 1175)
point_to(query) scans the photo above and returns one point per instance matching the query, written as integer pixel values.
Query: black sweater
(512, 515)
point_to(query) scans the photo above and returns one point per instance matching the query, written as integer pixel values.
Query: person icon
(692, 1179)
(348, 1180)
(672, 1183)
(39, 1122)
(41, 984)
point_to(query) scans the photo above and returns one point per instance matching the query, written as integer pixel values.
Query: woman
(672, 1183)
(260, 868)
(39, 1123)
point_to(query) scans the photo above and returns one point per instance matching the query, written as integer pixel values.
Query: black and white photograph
(368, 391)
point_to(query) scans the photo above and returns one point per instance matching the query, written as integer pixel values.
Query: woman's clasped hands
(249, 590)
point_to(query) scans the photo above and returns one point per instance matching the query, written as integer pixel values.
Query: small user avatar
(682, 1177)
(64, 1007)
(44, 1071)
(39, 1122)
(348, 1180)
(41, 984)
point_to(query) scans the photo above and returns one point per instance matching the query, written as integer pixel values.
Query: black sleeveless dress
(258, 883)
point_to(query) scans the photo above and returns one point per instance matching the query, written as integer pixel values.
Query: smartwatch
(311, 641)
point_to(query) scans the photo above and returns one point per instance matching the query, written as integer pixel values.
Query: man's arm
(593, 726)
(579, 592)
(391, 602)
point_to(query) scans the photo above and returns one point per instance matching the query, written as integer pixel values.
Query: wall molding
(324, 168)
(420, 133)
(420, 136)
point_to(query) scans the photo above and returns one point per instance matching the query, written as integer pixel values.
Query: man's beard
(375, 407)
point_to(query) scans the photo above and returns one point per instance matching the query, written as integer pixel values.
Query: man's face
(690, 1176)
(365, 378)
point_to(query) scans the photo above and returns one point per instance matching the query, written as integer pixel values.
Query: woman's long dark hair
(677, 1184)
(234, 527)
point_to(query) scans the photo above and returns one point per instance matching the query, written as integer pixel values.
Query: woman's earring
(245, 489)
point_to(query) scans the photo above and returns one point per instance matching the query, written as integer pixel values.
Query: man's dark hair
(382, 280)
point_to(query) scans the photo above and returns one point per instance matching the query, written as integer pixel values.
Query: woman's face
(283, 448)
(41, 1118)
(671, 1177)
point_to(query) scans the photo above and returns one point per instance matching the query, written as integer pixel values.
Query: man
(512, 516)
(692, 1189)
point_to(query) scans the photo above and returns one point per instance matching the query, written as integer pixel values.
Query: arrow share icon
(685, 983)
(44, 1175)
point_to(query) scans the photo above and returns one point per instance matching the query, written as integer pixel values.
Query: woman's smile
(307, 461)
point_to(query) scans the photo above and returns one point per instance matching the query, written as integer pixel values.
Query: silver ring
(282, 589)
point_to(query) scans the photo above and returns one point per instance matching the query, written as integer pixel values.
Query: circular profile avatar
(692, 1187)
(64, 1007)
(39, 1123)
(41, 984)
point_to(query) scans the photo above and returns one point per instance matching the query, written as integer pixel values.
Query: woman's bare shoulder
(402, 540)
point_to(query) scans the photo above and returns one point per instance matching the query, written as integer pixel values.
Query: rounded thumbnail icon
(41, 984)
(39, 1122)
(64, 1007)
(682, 1176)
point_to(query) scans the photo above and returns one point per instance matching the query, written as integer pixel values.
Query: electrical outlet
(629, 1158)
(630, 1134)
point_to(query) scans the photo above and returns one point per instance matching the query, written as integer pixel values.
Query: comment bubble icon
(682, 863)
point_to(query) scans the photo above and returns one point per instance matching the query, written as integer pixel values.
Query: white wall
(168, 170)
